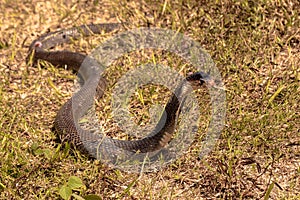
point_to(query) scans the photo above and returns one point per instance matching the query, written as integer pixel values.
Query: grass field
(256, 47)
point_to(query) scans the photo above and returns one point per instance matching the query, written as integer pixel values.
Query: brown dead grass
(255, 44)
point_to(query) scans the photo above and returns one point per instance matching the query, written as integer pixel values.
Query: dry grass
(256, 46)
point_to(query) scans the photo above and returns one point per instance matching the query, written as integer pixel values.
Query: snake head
(210, 82)
(199, 78)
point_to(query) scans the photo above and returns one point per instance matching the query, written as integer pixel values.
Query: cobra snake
(66, 122)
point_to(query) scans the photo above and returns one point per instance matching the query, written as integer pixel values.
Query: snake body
(66, 122)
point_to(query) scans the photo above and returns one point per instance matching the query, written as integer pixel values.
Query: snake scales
(66, 122)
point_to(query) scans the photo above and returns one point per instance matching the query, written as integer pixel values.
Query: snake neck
(165, 128)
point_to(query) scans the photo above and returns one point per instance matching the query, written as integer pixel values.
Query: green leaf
(75, 183)
(47, 152)
(77, 197)
(2, 186)
(34, 146)
(65, 192)
(267, 195)
(39, 152)
(92, 197)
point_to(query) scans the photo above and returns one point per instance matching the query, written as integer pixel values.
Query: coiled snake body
(66, 122)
